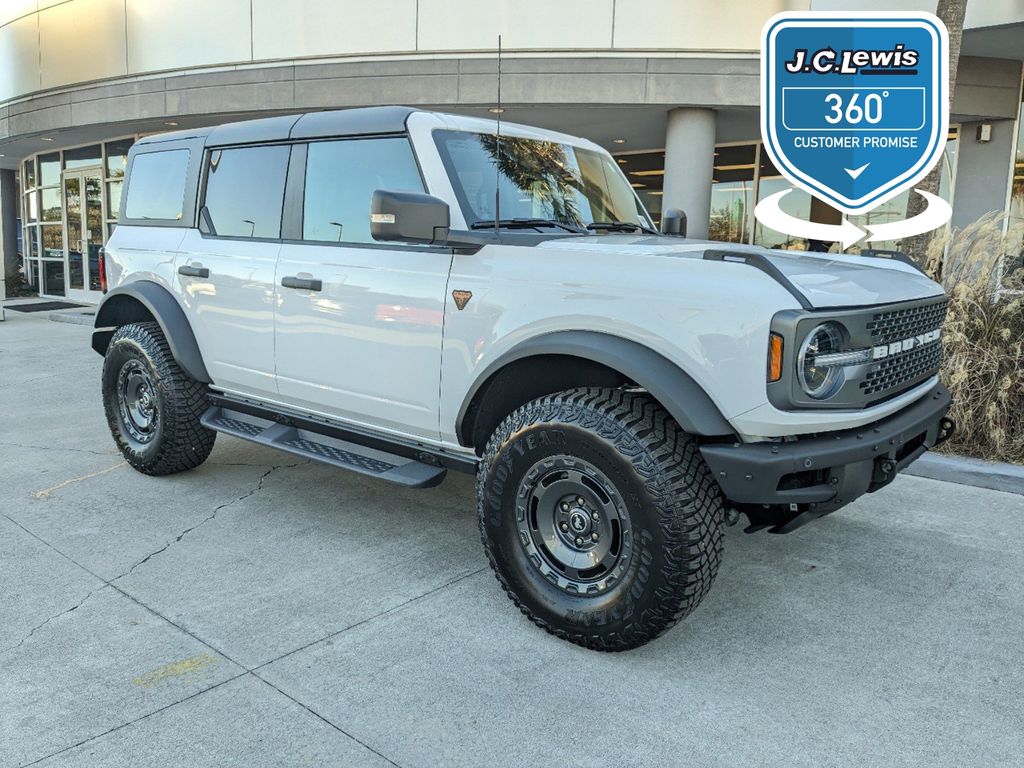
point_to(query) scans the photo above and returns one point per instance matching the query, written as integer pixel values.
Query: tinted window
(245, 190)
(340, 179)
(157, 186)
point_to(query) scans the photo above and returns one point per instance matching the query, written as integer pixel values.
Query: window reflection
(732, 190)
(744, 175)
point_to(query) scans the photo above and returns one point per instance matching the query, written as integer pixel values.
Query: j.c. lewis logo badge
(855, 105)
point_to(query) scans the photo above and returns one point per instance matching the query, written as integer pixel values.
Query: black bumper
(787, 483)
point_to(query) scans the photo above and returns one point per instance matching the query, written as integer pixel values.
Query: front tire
(152, 406)
(599, 517)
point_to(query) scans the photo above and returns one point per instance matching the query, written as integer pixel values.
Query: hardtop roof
(310, 125)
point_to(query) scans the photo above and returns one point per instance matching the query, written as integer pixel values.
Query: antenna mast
(497, 147)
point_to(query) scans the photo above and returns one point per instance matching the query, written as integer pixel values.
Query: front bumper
(786, 484)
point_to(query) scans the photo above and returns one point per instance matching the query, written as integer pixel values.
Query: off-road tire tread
(185, 442)
(669, 464)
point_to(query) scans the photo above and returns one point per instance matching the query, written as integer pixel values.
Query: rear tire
(152, 406)
(599, 516)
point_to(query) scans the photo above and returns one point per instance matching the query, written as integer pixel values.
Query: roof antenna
(497, 147)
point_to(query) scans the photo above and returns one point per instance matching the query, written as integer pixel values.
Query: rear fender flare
(131, 303)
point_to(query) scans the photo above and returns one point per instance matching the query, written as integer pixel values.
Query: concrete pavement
(263, 611)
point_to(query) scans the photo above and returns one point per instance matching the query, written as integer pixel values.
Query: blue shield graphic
(854, 105)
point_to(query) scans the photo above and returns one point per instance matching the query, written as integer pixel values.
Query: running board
(323, 448)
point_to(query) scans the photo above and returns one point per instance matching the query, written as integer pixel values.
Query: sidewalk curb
(1008, 478)
(73, 317)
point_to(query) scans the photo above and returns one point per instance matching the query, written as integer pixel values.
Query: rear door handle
(302, 283)
(196, 271)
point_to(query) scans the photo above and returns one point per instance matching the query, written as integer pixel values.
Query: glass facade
(63, 225)
(744, 175)
(1013, 268)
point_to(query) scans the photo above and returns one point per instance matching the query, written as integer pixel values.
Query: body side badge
(461, 298)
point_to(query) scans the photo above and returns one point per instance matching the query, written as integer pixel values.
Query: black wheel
(152, 406)
(599, 517)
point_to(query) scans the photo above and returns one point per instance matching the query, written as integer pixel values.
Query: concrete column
(689, 161)
(8, 229)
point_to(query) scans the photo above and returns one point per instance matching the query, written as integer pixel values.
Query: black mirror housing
(409, 217)
(673, 222)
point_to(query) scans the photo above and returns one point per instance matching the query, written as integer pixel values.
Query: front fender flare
(669, 384)
(121, 306)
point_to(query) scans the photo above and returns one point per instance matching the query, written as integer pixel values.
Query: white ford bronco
(399, 293)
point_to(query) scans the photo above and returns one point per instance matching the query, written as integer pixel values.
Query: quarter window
(245, 190)
(340, 179)
(157, 186)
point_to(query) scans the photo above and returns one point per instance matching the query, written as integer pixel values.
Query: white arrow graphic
(855, 172)
(934, 216)
(769, 214)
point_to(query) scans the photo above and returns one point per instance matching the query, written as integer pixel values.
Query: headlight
(820, 375)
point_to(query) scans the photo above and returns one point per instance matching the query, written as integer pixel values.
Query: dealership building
(670, 87)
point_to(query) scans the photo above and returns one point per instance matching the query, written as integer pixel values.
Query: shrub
(983, 339)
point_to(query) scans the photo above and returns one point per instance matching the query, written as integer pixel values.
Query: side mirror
(673, 222)
(408, 217)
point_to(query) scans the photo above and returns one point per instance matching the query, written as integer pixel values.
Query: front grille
(902, 370)
(899, 324)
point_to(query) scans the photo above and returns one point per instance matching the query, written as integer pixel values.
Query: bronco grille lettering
(896, 347)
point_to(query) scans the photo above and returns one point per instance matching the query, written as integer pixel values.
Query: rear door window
(245, 190)
(156, 189)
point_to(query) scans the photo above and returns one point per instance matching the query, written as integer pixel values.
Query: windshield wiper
(525, 224)
(619, 226)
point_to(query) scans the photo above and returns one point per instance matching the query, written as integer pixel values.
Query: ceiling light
(496, 110)
(635, 185)
(45, 138)
(618, 141)
(660, 172)
(170, 122)
(623, 161)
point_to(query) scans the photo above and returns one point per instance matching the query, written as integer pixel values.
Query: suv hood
(823, 280)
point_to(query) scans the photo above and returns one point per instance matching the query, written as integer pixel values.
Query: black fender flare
(687, 402)
(121, 306)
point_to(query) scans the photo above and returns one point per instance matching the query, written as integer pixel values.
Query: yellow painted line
(47, 491)
(175, 669)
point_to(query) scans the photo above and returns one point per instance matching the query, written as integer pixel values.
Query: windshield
(539, 180)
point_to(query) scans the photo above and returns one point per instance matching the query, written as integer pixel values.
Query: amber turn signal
(774, 357)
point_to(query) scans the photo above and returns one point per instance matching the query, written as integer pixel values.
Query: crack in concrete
(56, 616)
(208, 518)
(151, 555)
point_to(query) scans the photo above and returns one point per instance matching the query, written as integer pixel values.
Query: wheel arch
(538, 367)
(142, 301)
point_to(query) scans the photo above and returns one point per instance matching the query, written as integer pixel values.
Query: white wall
(47, 44)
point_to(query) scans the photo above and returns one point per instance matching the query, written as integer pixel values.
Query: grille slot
(899, 324)
(897, 372)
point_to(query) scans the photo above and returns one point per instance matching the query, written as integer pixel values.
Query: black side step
(323, 448)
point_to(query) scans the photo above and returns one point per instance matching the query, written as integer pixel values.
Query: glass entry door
(83, 241)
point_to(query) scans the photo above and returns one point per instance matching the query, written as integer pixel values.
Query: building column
(689, 166)
(8, 228)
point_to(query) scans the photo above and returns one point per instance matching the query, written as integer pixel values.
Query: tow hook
(947, 427)
(885, 471)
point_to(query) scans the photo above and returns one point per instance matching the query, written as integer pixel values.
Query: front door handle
(302, 283)
(196, 271)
